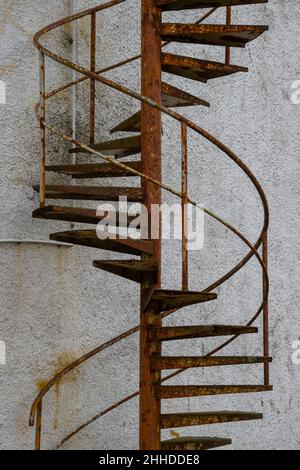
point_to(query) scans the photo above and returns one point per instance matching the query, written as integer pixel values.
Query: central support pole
(151, 166)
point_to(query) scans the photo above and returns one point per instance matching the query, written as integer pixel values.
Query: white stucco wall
(55, 306)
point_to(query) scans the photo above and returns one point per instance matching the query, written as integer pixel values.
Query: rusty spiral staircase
(156, 97)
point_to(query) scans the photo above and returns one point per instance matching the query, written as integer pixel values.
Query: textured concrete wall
(55, 306)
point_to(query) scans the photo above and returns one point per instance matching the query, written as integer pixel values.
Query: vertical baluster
(92, 81)
(42, 116)
(74, 78)
(266, 312)
(38, 426)
(228, 23)
(150, 318)
(184, 202)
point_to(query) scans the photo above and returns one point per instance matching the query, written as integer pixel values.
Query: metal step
(89, 238)
(182, 362)
(168, 5)
(178, 420)
(183, 391)
(195, 443)
(211, 34)
(118, 148)
(204, 331)
(171, 97)
(170, 299)
(196, 69)
(91, 193)
(95, 170)
(85, 216)
(137, 271)
(132, 124)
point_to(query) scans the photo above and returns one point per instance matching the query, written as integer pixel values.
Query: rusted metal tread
(95, 170)
(90, 238)
(118, 148)
(132, 124)
(196, 69)
(167, 5)
(211, 34)
(85, 216)
(173, 362)
(177, 420)
(195, 443)
(204, 331)
(172, 97)
(183, 391)
(92, 193)
(169, 299)
(133, 270)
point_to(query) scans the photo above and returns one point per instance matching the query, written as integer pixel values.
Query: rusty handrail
(184, 205)
(94, 76)
(118, 64)
(136, 394)
(135, 329)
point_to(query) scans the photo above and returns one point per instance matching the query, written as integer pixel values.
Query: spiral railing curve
(96, 76)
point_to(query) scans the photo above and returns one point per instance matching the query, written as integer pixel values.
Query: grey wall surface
(55, 306)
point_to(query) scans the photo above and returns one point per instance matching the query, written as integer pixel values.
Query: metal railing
(96, 76)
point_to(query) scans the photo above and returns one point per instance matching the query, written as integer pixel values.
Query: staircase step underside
(181, 362)
(195, 443)
(211, 34)
(84, 216)
(183, 391)
(89, 238)
(118, 148)
(177, 420)
(169, 299)
(137, 271)
(196, 69)
(203, 331)
(171, 97)
(92, 193)
(95, 170)
(168, 5)
(132, 124)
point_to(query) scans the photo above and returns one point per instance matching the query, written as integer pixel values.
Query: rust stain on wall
(63, 360)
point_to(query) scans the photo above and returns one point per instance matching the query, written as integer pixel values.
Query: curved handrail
(87, 74)
(136, 394)
(119, 64)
